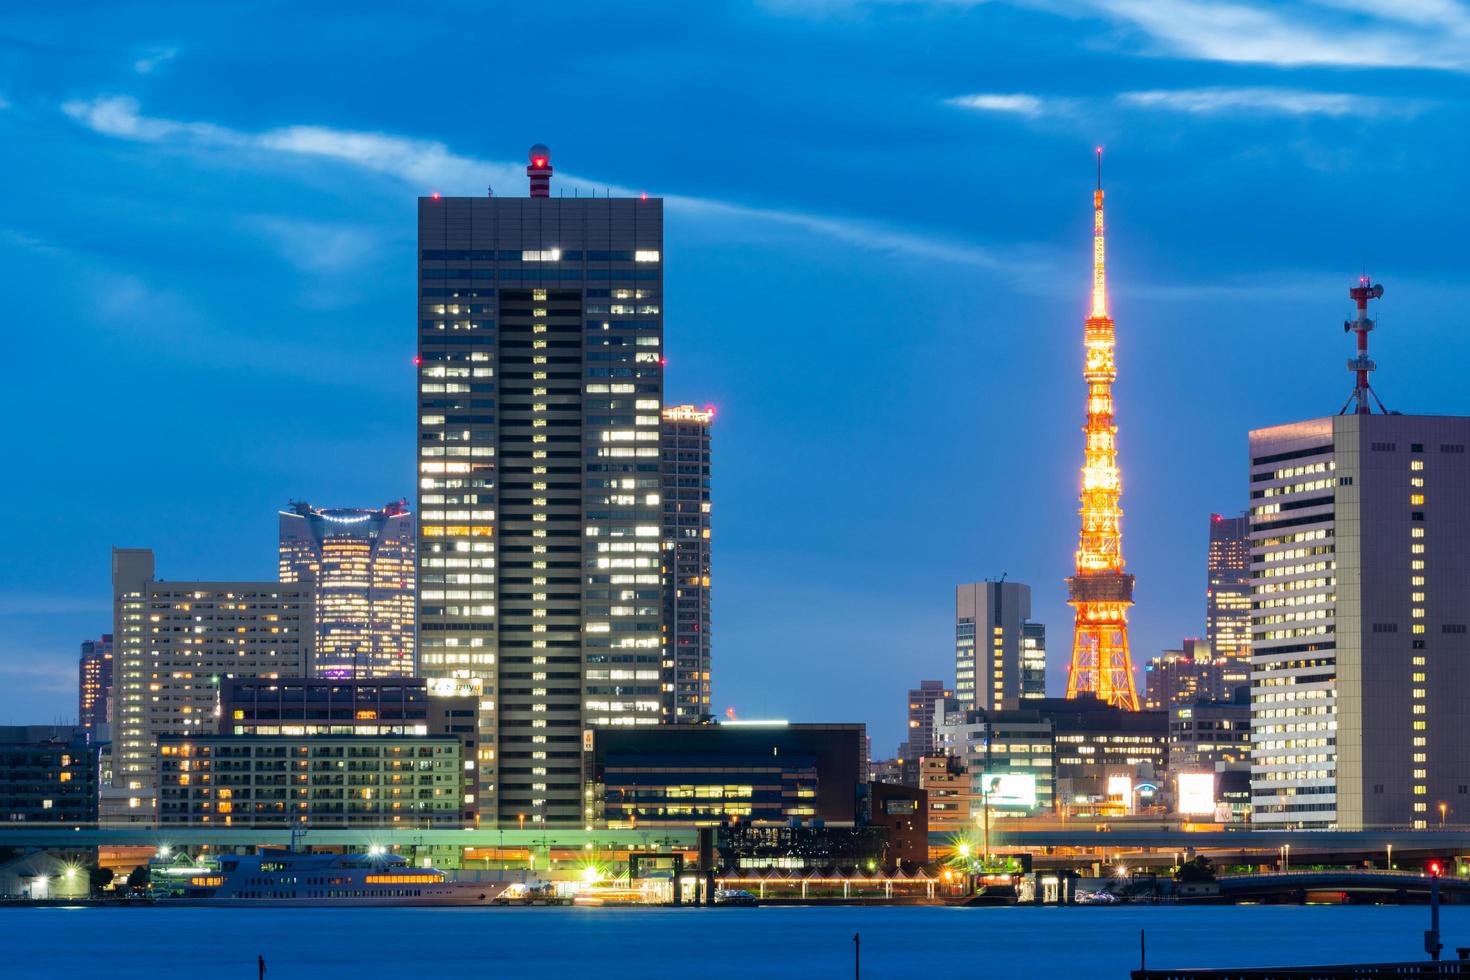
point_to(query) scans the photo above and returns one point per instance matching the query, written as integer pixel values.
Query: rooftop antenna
(1362, 365)
(489, 190)
(1099, 168)
(539, 170)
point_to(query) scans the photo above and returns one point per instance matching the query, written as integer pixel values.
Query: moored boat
(274, 879)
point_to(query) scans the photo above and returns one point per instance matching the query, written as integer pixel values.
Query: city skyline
(308, 229)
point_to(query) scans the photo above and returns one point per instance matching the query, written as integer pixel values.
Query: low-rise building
(1106, 756)
(947, 784)
(310, 707)
(48, 774)
(311, 780)
(1208, 734)
(1008, 756)
(1183, 676)
(903, 812)
(702, 775)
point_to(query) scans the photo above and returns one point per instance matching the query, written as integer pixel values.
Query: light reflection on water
(328, 944)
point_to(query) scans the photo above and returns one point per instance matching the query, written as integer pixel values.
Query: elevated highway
(1367, 883)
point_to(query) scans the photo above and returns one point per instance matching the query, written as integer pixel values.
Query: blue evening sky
(877, 268)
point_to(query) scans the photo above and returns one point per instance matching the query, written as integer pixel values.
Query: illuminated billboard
(455, 687)
(1196, 793)
(1013, 790)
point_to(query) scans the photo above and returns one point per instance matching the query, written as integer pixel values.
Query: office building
(951, 800)
(1208, 734)
(48, 774)
(310, 781)
(686, 509)
(1228, 598)
(94, 687)
(1359, 645)
(176, 642)
(703, 775)
(1182, 676)
(994, 666)
(540, 393)
(361, 562)
(886, 771)
(922, 703)
(383, 707)
(1108, 758)
(1008, 757)
(1033, 661)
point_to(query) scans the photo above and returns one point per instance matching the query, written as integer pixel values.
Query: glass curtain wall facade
(686, 503)
(362, 564)
(1228, 597)
(540, 388)
(94, 685)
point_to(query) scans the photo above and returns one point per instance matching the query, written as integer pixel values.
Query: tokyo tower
(1101, 591)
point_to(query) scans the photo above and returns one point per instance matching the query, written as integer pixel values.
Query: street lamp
(1390, 857)
(1443, 807)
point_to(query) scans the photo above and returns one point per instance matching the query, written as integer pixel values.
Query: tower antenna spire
(1101, 591)
(1362, 365)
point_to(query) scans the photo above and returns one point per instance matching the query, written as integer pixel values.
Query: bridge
(1364, 882)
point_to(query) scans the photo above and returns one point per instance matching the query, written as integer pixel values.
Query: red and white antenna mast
(1362, 365)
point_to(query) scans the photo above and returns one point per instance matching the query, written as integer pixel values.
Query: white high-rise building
(175, 642)
(1360, 657)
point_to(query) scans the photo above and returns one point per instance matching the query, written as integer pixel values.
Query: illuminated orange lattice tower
(1101, 591)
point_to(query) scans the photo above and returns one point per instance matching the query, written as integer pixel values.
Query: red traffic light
(1435, 868)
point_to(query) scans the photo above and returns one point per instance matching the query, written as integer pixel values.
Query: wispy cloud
(1279, 101)
(430, 165)
(1256, 101)
(1353, 33)
(1016, 103)
(1432, 34)
(153, 58)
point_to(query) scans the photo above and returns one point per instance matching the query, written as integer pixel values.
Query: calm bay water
(642, 944)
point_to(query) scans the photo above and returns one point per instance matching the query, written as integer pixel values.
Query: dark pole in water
(1142, 953)
(857, 956)
(1432, 945)
(260, 960)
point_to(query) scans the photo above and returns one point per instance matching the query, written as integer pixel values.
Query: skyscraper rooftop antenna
(1363, 397)
(1099, 168)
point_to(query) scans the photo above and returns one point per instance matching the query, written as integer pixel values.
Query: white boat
(283, 879)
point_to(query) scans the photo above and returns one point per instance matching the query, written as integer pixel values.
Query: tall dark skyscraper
(540, 393)
(1228, 597)
(94, 684)
(686, 502)
(361, 561)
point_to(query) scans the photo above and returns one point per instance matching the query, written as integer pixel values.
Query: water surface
(644, 944)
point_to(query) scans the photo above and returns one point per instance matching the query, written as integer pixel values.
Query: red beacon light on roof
(417, 361)
(435, 195)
